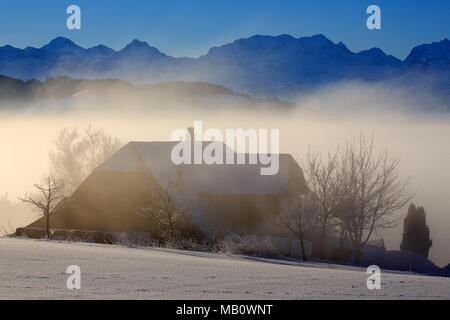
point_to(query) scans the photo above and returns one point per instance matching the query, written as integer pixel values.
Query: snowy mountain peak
(270, 47)
(141, 48)
(429, 52)
(9, 52)
(378, 57)
(341, 44)
(375, 53)
(102, 50)
(59, 43)
(259, 41)
(9, 48)
(317, 37)
(137, 44)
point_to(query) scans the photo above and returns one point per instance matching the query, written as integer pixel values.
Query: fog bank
(420, 139)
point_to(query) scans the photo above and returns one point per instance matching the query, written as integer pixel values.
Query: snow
(34, 269)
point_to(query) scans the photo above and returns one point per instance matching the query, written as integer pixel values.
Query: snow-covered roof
(213, 179)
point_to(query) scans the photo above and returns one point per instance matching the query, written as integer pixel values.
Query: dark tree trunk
(322, 241)
(47, 227)
(302, 245)
(341, 244)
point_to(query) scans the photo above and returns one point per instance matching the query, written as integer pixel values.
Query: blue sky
(191, 27)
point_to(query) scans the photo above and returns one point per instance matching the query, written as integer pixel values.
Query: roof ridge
(144, 165)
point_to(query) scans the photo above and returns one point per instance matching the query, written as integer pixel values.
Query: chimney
(191, 133)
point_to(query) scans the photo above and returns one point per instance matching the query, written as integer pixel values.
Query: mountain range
(262, 66)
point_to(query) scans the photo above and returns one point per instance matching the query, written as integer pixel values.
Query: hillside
(35, 270)
(110, 93)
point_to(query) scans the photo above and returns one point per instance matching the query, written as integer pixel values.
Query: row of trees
(354, 191)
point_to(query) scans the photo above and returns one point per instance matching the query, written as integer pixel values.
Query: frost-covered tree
(169, 217)
(76, 153)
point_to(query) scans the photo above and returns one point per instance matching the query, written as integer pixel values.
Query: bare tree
(48, 201)
(373, 191)
(169, 217)
(297, 215)
(76, 154)
(323, 183)
(342, 215)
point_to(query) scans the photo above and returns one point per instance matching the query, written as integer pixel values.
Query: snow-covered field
(33, 269)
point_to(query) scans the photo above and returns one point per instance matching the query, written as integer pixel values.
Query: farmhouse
(111, 197)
